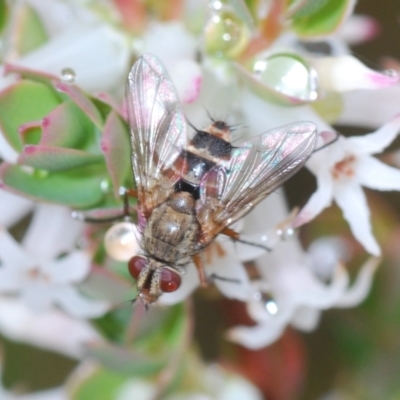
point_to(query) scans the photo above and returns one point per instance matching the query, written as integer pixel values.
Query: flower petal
(72, 268)
(320, 199)
(7, 152)
(374, 174)
(51, 232)
(376, 142)
(48, 394)
(11, 279)
(229, 274)
(53, 330)
(362, 111)
(75, 304)
(187, 77)
(306, 318)
(81, 47)
(361, 287)
(11, 253)
(255, 337)
(359, 29)
(346, 73)
(351, 199)
(38, 297)
(13, 208)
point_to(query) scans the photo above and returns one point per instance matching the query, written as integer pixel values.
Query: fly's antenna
(209, 114)
(192, 126)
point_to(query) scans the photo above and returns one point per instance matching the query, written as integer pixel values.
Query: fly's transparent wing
(158, 131)
(256, 168)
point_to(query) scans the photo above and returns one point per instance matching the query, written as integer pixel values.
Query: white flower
(50, 394)
(341, 169)
(215, 384)
(97, 52)
(81, 47)
(38, 271)
(370, 110)
(346, 73)
(13, 208)
(177, 51)
(290, 292)
(52, 330)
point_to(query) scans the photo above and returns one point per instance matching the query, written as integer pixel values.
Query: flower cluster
(64, 146)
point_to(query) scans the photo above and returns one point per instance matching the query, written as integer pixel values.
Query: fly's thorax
(153, 278)
(182, 202)
(172, 229)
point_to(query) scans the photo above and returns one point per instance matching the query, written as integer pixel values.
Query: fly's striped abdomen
(207, 148)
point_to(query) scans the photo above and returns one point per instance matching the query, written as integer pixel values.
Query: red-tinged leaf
(30, 74)
(75, 189)
(30, 132)
(23, 102)
(81, 100)
(66, 126)
(106, 98)
(116, 149)
(54, 159)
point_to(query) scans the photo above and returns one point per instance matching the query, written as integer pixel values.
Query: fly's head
(153, 278)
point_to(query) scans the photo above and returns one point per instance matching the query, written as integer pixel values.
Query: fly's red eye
(135, 266)
(170, 280)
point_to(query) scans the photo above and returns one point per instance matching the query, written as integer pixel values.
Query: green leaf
(321, 17)
(21, 103)
(116, 149)
(113, 324)
(54, 159)
(100, 384)
(29, 32)
(169, 334)
(68, 126)
(78, 189)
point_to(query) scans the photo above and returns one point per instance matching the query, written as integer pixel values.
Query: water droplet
(216, 5)
(268, 302)
(289, 75)
(226, 35)
(122, 241)
(105, 186)
(391, 72)
(68, 75)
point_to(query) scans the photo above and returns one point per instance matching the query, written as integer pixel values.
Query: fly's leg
(198, 262)
(236, 237)
(124, 215)
(282, 232)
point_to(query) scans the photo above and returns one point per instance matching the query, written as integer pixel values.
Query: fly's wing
(256, 168)
(158, 131)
